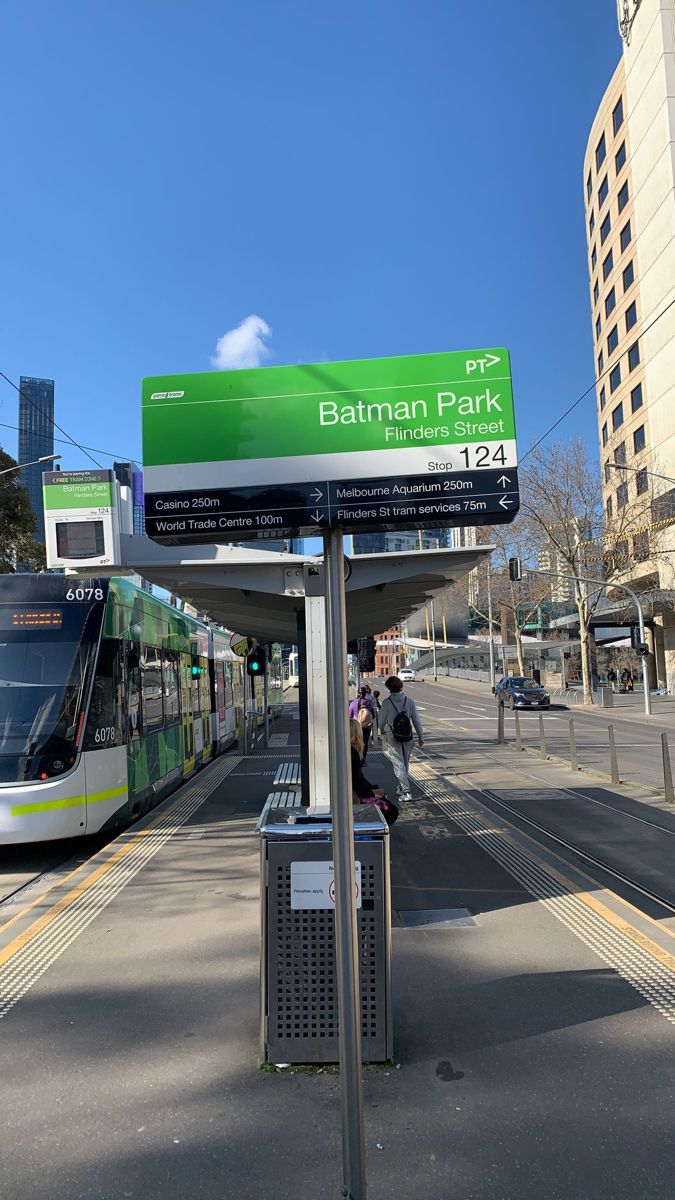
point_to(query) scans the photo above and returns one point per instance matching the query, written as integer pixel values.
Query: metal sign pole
(491, 634)
(346, 928)
(266, 703)
(433, 634)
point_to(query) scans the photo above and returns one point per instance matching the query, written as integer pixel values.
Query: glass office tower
(36, 439)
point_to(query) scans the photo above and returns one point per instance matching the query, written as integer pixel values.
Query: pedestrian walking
(625, 677)
(363, 710)
(378, 706)
(398, 717)
(611, 678)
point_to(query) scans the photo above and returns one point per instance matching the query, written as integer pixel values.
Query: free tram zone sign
(419, 441)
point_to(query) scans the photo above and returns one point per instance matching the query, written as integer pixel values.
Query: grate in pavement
(439, 918)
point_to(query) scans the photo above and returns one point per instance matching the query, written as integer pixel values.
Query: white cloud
(243, 346)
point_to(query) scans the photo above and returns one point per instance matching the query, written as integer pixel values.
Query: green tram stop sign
(418, 441)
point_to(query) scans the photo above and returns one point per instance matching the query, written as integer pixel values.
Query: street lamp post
(491, 634)
(34, 463)
(640, 470)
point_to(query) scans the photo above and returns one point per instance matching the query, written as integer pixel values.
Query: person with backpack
(398, 718)
(362, 709)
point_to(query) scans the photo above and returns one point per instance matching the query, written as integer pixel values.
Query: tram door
(187, 717)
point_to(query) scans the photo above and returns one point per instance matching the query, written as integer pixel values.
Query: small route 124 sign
(411, 442)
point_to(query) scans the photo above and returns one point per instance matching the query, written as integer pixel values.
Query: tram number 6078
(82, 593)
(104, 735)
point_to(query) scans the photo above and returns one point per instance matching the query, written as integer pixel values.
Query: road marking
(25, 959)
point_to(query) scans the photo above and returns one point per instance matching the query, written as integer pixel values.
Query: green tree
(17, 523)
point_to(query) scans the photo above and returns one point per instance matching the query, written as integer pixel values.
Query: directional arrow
(503, 480)
(504, 502)
(316, 516)
(491, 359)
(316, 495)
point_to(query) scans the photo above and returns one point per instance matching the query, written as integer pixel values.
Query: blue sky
(372, 177)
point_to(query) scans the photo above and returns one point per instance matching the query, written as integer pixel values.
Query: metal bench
(288, 775)
(279, 800)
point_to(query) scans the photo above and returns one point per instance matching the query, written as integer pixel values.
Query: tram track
(648, 899)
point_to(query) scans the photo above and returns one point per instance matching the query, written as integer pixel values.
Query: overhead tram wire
(592, 388)
(94, 449)
(51, 419)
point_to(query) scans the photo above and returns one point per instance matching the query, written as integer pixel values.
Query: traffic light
(256, 661)
(353, 646)
(639, 647)
(515, 569)
(367, 654)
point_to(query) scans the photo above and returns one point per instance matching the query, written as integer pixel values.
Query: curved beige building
(629, 197)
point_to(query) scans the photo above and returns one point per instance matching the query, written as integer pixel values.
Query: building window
(609, 508)
(641, 481)
(600, 152)
(620, 157)
(607, 265)
(596, 292)
(598, 327)
(617, 417)
(620, 454)
(631, 316)
(639, 439)
(605, 435)
(634, 356)
(601, 363)
(622, 495)
(591, 223)
(623, 196)
(603, 192)
(608, 472)
(615, 379)
(641, 546)
(617, 116)
(605, 230)
(589, 185)
(594, 258)
(610, 302)
(602, 398)
(625, 236)
(612, 340)
(628, 276)
(636, 398)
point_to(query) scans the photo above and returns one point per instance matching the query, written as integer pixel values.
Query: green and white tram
(109, 699)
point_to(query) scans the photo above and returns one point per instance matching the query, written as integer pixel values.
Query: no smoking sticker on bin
(313, 885)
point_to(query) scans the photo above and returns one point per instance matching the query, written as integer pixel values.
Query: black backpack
(401, 726)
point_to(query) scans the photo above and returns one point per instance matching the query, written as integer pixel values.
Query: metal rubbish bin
(299, 1007)
(605, 697)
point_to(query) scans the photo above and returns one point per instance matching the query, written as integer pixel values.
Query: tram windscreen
(47, 653)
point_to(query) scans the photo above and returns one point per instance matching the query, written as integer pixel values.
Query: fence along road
(466, 707)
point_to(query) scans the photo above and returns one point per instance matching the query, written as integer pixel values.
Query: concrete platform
(526, 1063)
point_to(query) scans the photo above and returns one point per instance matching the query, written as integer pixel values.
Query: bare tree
(519, 600)
(561, 504)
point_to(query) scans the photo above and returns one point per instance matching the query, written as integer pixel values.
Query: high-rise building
(36, 439)
(131, 477)
(399, 540)
(629, 196)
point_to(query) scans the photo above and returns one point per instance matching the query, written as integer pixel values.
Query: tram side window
(204, 686)
(171, 695)
(133, 705)
(105, 719)
(227, 676)
(220, 687)
(153, 715)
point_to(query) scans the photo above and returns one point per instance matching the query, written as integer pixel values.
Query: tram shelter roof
(260, 592)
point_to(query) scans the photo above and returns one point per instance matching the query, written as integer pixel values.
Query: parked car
(519, 691)
(406, 675)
